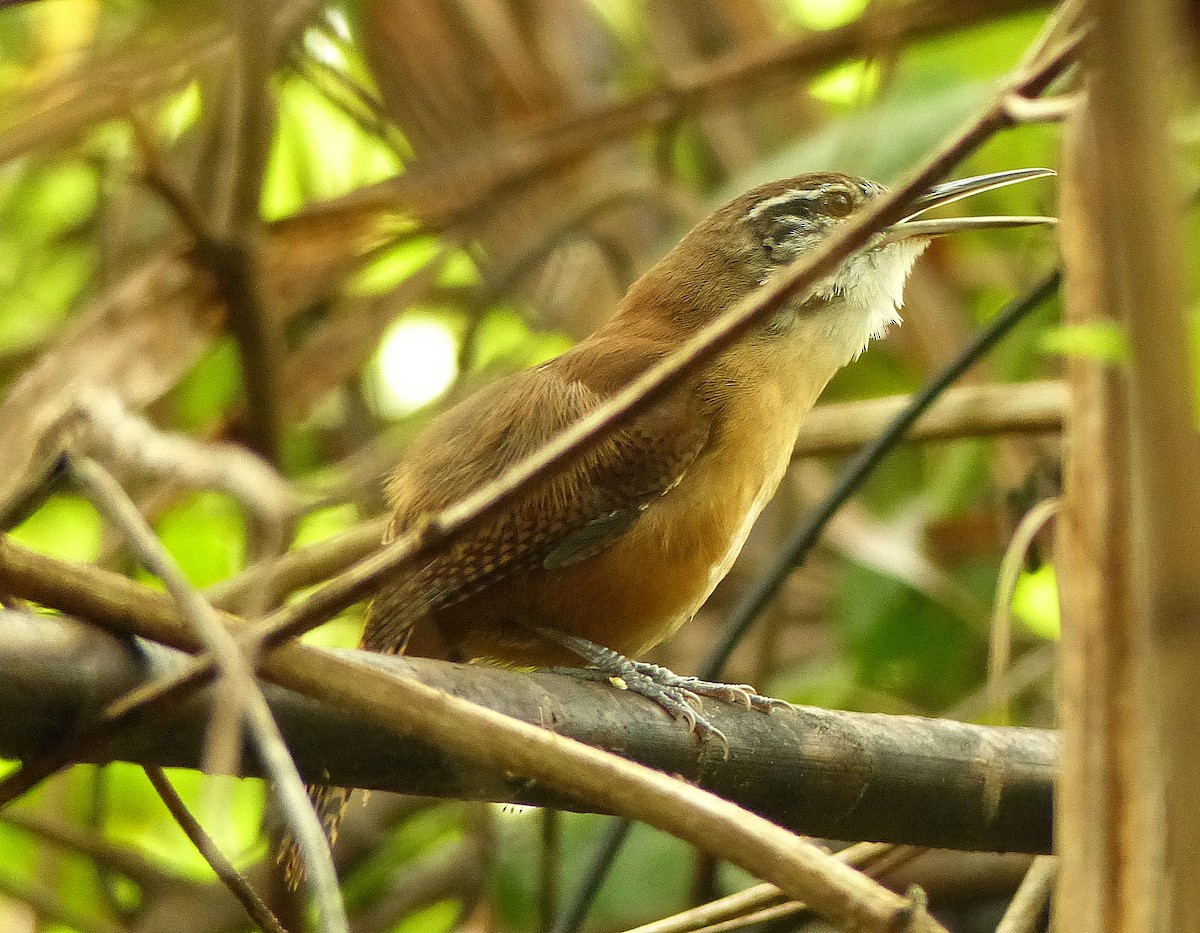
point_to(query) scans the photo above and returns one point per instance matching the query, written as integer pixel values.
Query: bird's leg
(679, 696)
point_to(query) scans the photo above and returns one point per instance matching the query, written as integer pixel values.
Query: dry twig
(1024, 913)
(233, 879)
(243, 696)
(1000, 641)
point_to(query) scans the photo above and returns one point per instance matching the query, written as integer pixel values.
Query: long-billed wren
(609, 556)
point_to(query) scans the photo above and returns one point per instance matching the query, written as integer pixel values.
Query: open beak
(955, 191)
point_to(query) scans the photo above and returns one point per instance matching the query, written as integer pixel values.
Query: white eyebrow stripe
(795, 194)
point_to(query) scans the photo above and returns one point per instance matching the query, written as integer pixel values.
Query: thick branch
(846, 775)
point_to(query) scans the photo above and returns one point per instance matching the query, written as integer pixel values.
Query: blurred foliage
(75, 220)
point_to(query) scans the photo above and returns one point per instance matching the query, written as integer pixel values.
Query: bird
(611, 554)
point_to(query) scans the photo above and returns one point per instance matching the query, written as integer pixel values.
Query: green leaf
(1098, 340)
(65, 527)
(206, 536)
(392, 266)
(1035, 602)
(319, 151)
(903, 643)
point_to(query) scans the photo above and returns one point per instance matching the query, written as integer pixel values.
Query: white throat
(867, 294)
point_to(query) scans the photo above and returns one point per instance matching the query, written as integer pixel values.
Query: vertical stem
(1130, 869)
(237, 260)
(1101, 828)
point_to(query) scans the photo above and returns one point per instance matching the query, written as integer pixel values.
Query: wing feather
(573, 514)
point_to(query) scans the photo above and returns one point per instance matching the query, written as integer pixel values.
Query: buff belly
(631, 596)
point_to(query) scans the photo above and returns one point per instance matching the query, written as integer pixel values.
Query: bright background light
(418, 360)
(825, 14)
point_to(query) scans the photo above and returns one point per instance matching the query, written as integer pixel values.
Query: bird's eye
(837, 203)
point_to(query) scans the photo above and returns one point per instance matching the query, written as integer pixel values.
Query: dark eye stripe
(790, 202)
(831, 198)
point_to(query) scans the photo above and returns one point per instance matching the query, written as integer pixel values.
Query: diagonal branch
(443, 195)
(234, 880)
(967, 411)
(243, 696)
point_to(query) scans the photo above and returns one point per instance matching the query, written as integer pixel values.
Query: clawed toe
(679, 696)
(742, 694)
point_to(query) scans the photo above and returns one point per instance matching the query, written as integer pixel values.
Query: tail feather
(387, 632)
(329, 804)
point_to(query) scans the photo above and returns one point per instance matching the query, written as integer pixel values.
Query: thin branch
(452, 871)
(243, 694)
(96, 422)
(964, 411)
(94, 820)
(1025, 911)
(351, 98)
(230, 252)
(614, 838)
(301, 568)
(236, 263)
(236, 269)
(576, 221)
(893, 857)
(233, 879)
(1048, 110)
(157, 176)
(1031, 669)
(752, 899)
(1000, 640)
(253, 121)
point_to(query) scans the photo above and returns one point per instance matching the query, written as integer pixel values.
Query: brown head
(737, 247)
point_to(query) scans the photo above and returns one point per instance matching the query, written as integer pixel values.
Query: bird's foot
(743, 694)
(679, 696)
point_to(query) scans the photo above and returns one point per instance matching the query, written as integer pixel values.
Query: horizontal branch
(966, 411)
(824, 773)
